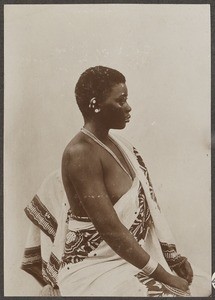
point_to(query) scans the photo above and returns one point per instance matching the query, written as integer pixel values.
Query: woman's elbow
(112, 232)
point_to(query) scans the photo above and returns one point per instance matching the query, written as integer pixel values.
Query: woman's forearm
(125, 245)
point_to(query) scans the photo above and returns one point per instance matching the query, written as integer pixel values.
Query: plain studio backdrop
(164, 52)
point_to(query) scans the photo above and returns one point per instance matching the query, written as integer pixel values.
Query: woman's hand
(185, 271)
(161, 275)
(179, 283)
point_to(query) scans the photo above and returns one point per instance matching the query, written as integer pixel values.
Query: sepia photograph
(107, 150)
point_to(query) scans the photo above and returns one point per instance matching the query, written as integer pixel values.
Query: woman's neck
(98, 130)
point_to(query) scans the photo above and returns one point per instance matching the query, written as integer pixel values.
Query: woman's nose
(128, 107)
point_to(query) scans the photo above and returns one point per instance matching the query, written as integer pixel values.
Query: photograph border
(162, 2)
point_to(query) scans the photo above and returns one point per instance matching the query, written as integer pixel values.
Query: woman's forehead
(119, 89)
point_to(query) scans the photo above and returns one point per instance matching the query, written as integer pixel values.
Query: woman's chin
(119, 126)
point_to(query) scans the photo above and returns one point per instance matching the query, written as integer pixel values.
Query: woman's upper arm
(86, 175)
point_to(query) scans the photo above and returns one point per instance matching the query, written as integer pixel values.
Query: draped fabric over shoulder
(67, 252)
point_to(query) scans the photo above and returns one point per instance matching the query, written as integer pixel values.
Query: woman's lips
(127, 118)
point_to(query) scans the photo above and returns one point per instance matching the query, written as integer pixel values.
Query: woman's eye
(122, 102)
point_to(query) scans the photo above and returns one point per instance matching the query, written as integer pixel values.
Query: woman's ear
(94, 104)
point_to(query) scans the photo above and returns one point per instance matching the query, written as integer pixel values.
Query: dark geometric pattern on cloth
(143, 167)
(41, 217)
(143, 219)
(32, 263)
(50, 270)
(173, 259)
(158, 289)
(31, 255)
(70, 215)
(169, 250)
(79, 244)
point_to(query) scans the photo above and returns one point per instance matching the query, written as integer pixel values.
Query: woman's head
(95, 83)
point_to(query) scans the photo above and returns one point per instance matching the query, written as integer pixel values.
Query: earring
(92, 102)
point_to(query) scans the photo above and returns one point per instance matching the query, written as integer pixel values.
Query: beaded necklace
(92, 136)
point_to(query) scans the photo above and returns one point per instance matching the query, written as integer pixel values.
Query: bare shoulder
(80, 153)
